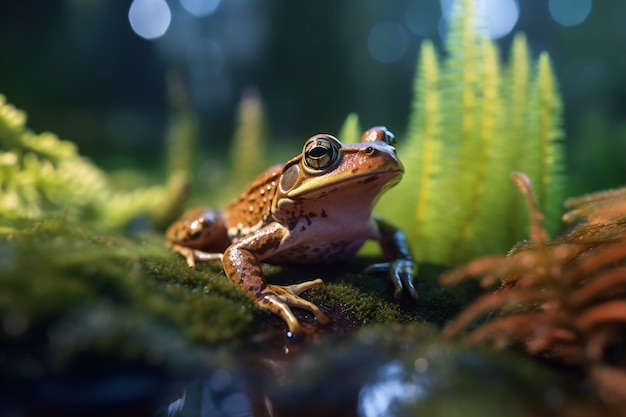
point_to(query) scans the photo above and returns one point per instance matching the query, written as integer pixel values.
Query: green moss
(52, 270)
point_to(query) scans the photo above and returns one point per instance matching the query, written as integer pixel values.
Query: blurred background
(94, 71)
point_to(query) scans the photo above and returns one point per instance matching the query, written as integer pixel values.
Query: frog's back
(252, 209)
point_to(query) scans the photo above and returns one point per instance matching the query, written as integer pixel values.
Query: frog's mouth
(383, 180)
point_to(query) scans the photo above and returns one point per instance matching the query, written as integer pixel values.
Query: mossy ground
(54, 274)
(80, 309)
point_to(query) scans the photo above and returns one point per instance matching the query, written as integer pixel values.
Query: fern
(181, 146)
(516, 89)
(350, 131)
(547, 122)
(472, 124)
(423, 160)
(42, 176)
(249, 142)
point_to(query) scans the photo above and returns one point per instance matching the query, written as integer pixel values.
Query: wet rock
(399, 370)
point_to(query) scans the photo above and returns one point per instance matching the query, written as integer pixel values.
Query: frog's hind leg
(194, 255)
(199, 236)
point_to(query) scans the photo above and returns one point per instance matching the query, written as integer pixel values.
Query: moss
(363, 302)
(52, 270)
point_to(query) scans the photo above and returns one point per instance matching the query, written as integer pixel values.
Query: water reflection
(370, 376)
(390, 391)
(216, 396)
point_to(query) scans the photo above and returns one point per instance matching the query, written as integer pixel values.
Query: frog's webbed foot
(278, 299)
(194, 255)
(399, 272)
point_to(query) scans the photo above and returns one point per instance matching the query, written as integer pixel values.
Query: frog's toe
(297, 289)
(279, 299)
(274, 304)
(194, 255)
(400, 275)
(404, 281)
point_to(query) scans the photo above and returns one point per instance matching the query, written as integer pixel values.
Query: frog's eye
(379, 133)
(321, 153)
(390, 138)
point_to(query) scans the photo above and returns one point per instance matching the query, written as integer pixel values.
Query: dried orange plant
(562, 300)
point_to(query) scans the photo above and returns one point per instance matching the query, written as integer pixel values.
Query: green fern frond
(350, 131)
(472, 124)
(421, 154)
(13, 134)
(42, 177)
(424, 130)
(128, 205)
(491, 184)
(182, 130)
(249, 141)
(181, 142)
(546, 122)
(462, 77)
(517, 95)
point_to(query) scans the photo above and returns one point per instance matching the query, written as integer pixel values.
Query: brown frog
(315, 208)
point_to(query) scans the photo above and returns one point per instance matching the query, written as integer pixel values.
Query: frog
(317, 207)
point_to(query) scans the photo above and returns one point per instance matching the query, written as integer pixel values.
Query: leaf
(548, 149)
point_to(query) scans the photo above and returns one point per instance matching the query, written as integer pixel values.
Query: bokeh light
(569, 12)
(387, 42)
(422, 18)
(206, 58)
(200, 8)
(500, 17)
(149, 18)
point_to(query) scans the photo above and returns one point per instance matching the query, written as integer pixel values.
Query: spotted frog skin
(315, 208)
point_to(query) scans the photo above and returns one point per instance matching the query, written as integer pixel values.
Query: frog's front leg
(400, 266)
(241, 264)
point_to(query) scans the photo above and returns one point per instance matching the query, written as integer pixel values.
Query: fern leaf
(421, 154)
(42, 176)
(489, 193)
(548, 177)
(13, 134)
(12, 121)
(248, 147)
(462, 77)
(350, 130)
(181, 145)
(428, 148)
(471, 125)
(516, 94)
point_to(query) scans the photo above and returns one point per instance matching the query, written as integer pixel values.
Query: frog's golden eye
(321, 153)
